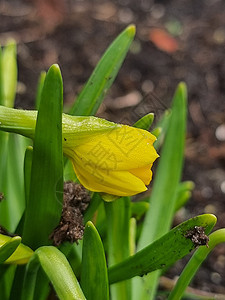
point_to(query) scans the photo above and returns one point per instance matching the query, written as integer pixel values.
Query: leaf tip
(54, 73)
(131, 29)
(212, 217)
(11, 43)
(55, 67)
(183, 88)
(89, 224)
(16, 238)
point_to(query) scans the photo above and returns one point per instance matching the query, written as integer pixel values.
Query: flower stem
(18, 121)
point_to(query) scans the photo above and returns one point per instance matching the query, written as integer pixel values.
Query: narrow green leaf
(118, 218)
(163, 252)
(16, 291)
(94, 275)
(4, 137)
(58, 270)
(132, 236)
(7, 249)
(1, 80)
(3, 270)
(39, 89)
(161, 129)
(145, 122)
(42, 286)
(9, 73)
(74, 257)
(183, 193)
(20, 256)
(100, 220)
(156, 132)
(138, 209)
(103, 75)
(195, 262)
(7, 280)
(11, 209)
(163, 198)
(92, 207)
(27, 171)
(27, 175)
(21, 253)
(8, 81)
(46, 185)
(30, 278)
(69, 174)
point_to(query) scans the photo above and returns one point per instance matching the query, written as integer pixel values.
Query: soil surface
(175, 41)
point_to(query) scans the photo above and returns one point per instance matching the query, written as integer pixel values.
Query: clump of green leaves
(118, 258)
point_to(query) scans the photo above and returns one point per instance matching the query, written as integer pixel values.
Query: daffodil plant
(83, 235)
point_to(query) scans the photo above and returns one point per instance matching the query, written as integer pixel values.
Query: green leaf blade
(168, 173)
(163, 252)
(58, 270)
(39, 89)
(9, 74)
(7, 249)
(12, 209)
(195, 262)
(145, 122)
(20, 253)
(167, 178)
(118, 225)
(94, 274)
(104, 74)
(1, 76)
(9, 210)
(46, 185)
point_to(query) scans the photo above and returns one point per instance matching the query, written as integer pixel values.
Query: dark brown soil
(71, 226)
(75, 33)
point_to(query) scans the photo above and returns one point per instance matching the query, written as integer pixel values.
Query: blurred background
(176, 40)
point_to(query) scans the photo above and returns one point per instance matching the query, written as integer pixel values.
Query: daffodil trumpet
(107, 157)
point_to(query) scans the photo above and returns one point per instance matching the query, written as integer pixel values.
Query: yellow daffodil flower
(106, 157)
(116, 162)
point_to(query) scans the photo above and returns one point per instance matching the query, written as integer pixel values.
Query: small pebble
(222, 187)
(135, 75)
(219, 35)
(126, 15)
(147, 86)
(220, 262)
(135, 47)
(210, 209)
(216, 278)
(158, 11)
(207, 192)
(220, 133)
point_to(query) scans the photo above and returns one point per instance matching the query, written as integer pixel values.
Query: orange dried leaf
(163, 40)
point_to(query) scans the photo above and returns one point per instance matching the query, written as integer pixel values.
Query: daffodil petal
(144, 173)
(119, 149)
(120, 183)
